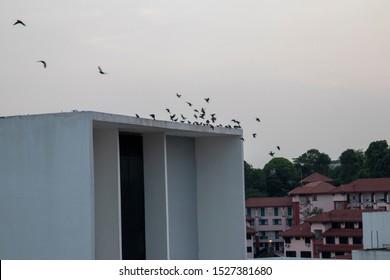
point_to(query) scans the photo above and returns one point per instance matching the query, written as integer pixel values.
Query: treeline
(280, 175)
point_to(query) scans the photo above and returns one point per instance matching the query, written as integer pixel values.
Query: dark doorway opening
(132, 197)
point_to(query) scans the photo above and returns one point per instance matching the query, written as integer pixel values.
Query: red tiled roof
(356, 232)
(315, 177)
(365, 185)
(268, 202)
(302, 230)
(313, 188)
(345, 215)
(249, 218)
(250, 230)
(348, 256)
(339, 247)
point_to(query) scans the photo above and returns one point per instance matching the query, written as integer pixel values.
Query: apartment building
(250, 237)
(330, 218)
(372, 193)
(271, 216)
(311, 199)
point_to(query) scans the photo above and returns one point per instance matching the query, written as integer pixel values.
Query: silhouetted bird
(19, 22)
(254, 135)
(137, 115)
(278, 148)
(257, 119)
(168, 111)
(271, 153)
(207, 99)
(189, 104)
(153, 116)
(101, 71)
(242, 139)
(178, 95)
(43, 62)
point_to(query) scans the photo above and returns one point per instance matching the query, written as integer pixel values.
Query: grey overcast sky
(317, 73)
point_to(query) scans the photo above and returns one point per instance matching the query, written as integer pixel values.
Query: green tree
(352, 165)
(312, 161)
(376, 158)
(281, 176)
(255, 184)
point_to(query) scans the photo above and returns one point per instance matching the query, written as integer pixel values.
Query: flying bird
(153, 116)
(254, 135)
(19, 22)
(278, 148)
(189, 104)
(257, 119)
(43, 62)
(207, 99)
(101, 71)
(169, 111)
(271, 153)
(178, 95)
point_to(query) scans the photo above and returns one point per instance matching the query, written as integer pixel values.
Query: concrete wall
(107, 194)
(156, 196)
(46, 209)
(221, 213)
(182, 190)
(370, 255)
(376, 230)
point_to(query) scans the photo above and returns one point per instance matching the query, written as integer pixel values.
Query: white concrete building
(376, 237)
(89, 185)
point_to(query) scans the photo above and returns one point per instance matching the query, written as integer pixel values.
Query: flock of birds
(199, 114)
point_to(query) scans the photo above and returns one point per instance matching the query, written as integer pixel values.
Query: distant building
(271, 216)
(330, 218)
(89, 185)
(310, 199)
(370, 193)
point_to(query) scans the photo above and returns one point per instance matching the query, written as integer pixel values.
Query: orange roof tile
(345, 215)
(302, 230)
(355, 232)
(365, 185)
(250, 230)
(313, 188)
(339, 247)
(268, 202)
(315, 177)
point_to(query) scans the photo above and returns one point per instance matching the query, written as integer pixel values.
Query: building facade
(271, 216)
(89, 185)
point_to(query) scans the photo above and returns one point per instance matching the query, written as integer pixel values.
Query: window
(276, 211)
(248, 211)
(262, 212)
(289, 211)
(326, 255)
(305, 254)
(297, 238)
(248, 236)
(329, 240)
(317, 234)
(343, 240)
(249, 249)
(338, 205)
(262, 235)
(287, 240)
(276, 234)
(314, 197)
(357, 240)
(289, 222)
(263, 222)
(307, 240)
(291, 254)
(277, 221)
